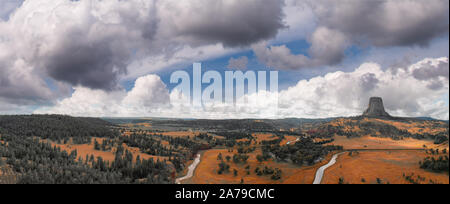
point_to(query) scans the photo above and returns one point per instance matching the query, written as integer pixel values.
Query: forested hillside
(23, 146)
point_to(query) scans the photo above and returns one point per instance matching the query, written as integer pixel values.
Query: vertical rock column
(376, 108)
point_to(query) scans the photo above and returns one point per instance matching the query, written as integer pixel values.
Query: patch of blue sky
(287, 78)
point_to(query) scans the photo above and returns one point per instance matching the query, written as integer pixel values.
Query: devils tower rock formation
(376, 108)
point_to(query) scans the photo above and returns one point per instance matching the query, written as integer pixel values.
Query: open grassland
(432, 127)
(264, 137)
(180, 134)
(88, 149)
(369, 142)
(416, 127)
(207, 170)
(371, 167)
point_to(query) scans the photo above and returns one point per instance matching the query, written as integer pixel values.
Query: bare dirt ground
(388, 166)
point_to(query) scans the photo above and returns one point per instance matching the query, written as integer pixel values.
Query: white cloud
(341, 24)
(327, 47)
(148, 91)
(347, 94)
(148, 95)
(96, 44)
(333, 95)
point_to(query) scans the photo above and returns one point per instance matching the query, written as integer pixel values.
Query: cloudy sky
(115, 57)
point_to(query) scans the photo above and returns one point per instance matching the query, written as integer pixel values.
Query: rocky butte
(376, 108)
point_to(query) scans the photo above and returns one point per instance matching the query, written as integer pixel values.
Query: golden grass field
(369, 142)
(389, 166)
(413, 127)
(180, 134)
(88, 149)
(206, 172)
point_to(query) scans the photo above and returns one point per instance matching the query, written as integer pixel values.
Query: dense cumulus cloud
(385, 23)
(332, 95)
(149, 95)
(348, 93)
(342, 24)
(91, 43)
(327, 47)
(231, 22)
(73, 56)
(7, 7)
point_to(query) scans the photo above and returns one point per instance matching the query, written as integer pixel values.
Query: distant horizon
(174, 118)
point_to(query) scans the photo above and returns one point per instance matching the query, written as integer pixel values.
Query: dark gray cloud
(368, 82)
(96, 65)
(78, 43)
(429, 71)
(20, 87)
(341, 24)
(388, 22)
(91, 43)
(435, 85)
(232, 23)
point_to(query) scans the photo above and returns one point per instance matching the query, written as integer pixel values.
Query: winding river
(321, 170)
(296, 140)
(191, 170)
(317, 179)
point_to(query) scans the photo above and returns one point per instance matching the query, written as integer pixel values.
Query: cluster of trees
(242, 149)
(263, 157)
(324, 131)
(240, 158)
(325, 141)
(220, 125)
(435, 151)
(415, 179)
(105, 146)
(57, 127)
(187, 143)
(223, 168)
(146, 144)
(305, 151)
(275, 174)
(433, 164)
(229, 135)
(440, 138)
(205, 136)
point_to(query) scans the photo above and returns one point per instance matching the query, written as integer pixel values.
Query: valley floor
(371, 167)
